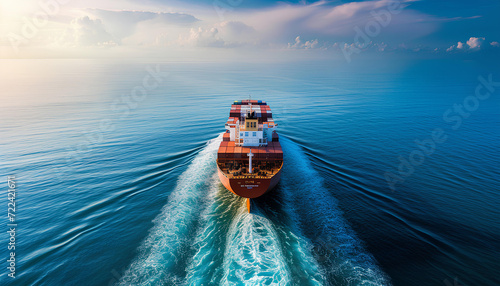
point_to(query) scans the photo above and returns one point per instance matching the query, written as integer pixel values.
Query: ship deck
(240, 172)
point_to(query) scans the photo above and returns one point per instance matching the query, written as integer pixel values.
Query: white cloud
(495, 44)
(104, 27)
(236, 33)
(123, 23)
(236, 30)
(311, 44)
(86, 32)
(371, 46)
(327, 20)
(143, 27)
(381, 47)
(458, 46)
(475, 43)
(301, 45)
(226, 34)
(203, 37)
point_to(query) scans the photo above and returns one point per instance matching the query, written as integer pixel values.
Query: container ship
(250, 158)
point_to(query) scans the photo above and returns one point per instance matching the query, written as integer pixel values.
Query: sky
(256, 28)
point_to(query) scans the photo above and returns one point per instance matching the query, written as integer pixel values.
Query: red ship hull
(249, 187)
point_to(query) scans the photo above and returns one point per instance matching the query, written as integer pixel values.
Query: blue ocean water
(121, 189)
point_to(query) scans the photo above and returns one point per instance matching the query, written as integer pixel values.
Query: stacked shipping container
(229, 152)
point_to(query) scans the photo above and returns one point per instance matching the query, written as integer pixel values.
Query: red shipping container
(230, 152)
(237, 151)
(273, 154)
(224, 143)
(277, 148)
(221, 152)
(245, 151)
(256, 152)
(265, 154)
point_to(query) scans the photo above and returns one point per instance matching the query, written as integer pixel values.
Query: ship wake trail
(341, 255)
(253, 254)
(253, 249)
(245, 245)
(162, 255)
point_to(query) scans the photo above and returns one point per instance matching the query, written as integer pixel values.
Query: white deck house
(250, 133)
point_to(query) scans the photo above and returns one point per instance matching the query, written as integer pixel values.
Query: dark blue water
(114, 189)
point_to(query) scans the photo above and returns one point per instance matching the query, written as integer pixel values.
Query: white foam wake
(234, 247)
(317, 215)
(169, 239)
(253, 254)
(205, 265)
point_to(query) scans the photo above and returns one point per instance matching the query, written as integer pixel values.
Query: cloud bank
(377, 26)
(473, 44)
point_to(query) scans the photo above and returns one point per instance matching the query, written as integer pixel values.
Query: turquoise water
(115, 189)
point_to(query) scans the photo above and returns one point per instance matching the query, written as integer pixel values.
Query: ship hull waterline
(249, 188)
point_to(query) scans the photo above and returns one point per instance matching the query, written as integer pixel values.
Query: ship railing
(226, 172)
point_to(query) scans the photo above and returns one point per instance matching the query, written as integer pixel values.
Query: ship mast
(250, 155)
(250, 103)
